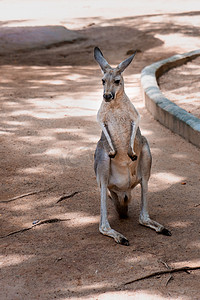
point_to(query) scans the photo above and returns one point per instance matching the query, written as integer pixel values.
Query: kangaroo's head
(113, 82)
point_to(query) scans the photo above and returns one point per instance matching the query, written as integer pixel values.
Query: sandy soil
(49, 100)
(182, 86)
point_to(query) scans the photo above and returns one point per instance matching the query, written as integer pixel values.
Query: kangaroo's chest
(119, 127)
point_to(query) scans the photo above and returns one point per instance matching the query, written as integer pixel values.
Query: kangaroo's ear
(124, 64)
(98, 55)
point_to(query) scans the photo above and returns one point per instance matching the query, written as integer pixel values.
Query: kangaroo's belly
(123, 171)
(123, 174)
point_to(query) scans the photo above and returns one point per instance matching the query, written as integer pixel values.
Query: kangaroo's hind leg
(144, 215)
(102, 170)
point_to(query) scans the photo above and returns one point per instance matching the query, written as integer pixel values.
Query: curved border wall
(162, 109)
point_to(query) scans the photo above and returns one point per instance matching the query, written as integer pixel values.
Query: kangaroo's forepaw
(112, 154)
(165, 231)
(133, 157)
(132, 154)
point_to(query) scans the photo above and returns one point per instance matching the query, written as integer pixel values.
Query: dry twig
(169, 279)
(169, 268)
(67, 196)
(46, 221)
(165, 264)
(169, 271)
(25, 195)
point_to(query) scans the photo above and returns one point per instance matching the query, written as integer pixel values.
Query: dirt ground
(182, 86)
(48, 132)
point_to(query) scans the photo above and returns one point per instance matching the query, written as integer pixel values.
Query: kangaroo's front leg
(134, 127)
(112, 152)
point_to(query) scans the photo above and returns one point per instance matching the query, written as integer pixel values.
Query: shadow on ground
(49, 100)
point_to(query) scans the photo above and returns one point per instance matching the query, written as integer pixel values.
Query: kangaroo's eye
(103, 82)
(117, 82)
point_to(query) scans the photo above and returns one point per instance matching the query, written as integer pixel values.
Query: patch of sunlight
(80, 219)
(121, 295)
(155, 151)
(138, 105)
(180, 40)
(133, 92)
(74, 77)
(9, 129)
(83, 221)
(5, 80)
(11, 104)
(23, 207)
(192, 20)
(61, 106)
(180, 224)
(17, 123)
(55, 152)
(75, 112)
(186, 263)
(146, 132)
(46, 114)
(188, 71)
(79, 133)
(90, 100)
(167, 177)
(17, 113)
(129, 295)
(36, 139)
(34, 170)
(44, 103)
(36, 12)
(179, 155)
(195, 244)
(54, 82)
(87, 287)
(37, 68)
(2, 132)
(136, 259)
(13, 259)
(33, 87)
(138, 295)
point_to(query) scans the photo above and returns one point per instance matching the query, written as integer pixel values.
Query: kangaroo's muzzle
(108, 96)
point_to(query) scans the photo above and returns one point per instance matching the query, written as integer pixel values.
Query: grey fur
(122, 156)
(98, 55)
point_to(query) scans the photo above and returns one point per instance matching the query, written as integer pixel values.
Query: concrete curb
(162, 109)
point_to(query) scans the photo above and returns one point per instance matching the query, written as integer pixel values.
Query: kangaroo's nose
(108, 97)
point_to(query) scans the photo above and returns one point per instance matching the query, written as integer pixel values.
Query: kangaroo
(122, 158)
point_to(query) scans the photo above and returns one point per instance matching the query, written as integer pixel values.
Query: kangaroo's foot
(165, 231)
(146, 221)
(118, 237)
